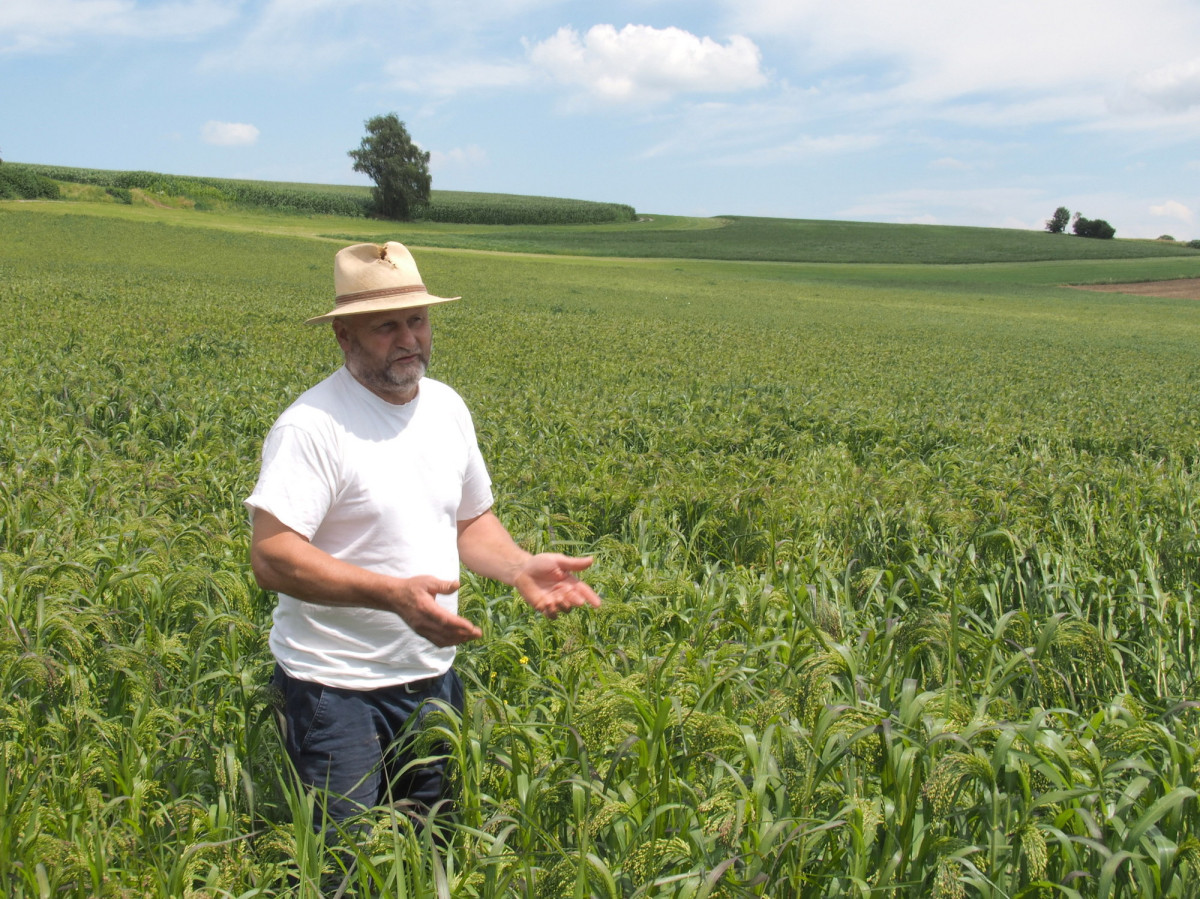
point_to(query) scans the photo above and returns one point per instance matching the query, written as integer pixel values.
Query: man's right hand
(285, 562)
(416, 602)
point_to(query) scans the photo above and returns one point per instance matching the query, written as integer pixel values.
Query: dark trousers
(355, 747)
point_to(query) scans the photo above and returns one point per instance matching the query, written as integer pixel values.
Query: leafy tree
(399, 168)
(1085, 227)
(1058, 222)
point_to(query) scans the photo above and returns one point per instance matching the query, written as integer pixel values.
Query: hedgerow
(20, 182)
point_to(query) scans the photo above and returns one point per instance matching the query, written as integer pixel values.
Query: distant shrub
(1166, 237)
(120, 194)
(1194, 244)
(1085, 227)
(18, 182)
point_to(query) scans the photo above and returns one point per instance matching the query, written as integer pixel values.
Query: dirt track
(1184, 288)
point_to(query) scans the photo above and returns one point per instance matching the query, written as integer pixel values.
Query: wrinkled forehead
(366, 320)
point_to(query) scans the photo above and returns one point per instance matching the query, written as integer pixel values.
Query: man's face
(387, 352)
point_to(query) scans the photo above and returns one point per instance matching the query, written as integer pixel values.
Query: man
(372, 492)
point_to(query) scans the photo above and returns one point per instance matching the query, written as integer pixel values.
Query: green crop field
(208, 194)
(899, 563)
(781, 240)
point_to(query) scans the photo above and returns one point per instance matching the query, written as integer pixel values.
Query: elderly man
(372, 492)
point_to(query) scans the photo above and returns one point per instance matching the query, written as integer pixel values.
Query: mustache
(396, 357)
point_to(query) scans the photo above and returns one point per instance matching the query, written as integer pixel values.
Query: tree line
(1081, 226)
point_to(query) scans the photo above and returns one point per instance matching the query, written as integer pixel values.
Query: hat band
(378, 292)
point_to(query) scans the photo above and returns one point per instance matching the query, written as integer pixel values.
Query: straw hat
(371, 278)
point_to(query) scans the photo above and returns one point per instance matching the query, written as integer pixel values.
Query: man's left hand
(549, 585)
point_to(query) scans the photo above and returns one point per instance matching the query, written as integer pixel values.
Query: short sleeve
(477, 487)
(298, 480)
(477, 483)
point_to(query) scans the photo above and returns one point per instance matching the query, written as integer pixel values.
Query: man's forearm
(286, 563)
(547, 581)
(486, 548)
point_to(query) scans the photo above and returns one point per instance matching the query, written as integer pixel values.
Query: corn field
(899, 581)
(210, 194)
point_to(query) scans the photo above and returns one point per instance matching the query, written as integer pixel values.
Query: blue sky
(932, 111)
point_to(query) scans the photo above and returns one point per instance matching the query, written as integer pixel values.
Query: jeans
(355, 747)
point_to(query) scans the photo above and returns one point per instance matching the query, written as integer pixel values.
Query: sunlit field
(899, 566)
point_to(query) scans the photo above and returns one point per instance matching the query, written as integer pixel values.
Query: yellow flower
(524, 660)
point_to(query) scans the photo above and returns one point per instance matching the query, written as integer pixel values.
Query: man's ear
(340, 332)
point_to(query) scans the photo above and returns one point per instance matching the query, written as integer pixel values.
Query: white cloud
(300, 37)
(782, 128)
(642, 64)
(443, 78)
(1172, 89)
(979, 206)
(229, 134)
(1010, 111)
(472, 16)
(471, 157)
(1016, 62)
(41, 25)
(800, 148)
(297, 38)
(1018, 42)
(1174, 210)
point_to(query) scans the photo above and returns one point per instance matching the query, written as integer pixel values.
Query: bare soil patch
(1183, 288)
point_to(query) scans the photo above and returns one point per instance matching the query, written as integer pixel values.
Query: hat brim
(408, 300)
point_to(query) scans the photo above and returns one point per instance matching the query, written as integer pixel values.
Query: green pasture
(518, 224)
(783, 240)
(899, 565)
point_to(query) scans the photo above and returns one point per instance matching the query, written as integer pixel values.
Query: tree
(1058, 222)
(399, 168)
(1085, 227)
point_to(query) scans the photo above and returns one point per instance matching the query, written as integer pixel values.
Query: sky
(927, 112)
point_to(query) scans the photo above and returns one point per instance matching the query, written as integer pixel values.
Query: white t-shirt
(380, 486)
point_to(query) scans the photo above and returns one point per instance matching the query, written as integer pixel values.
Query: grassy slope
(785, 240)
(878, 309)
(735, 238)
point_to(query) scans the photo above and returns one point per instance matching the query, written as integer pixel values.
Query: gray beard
(384, 380)
(389, 380)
